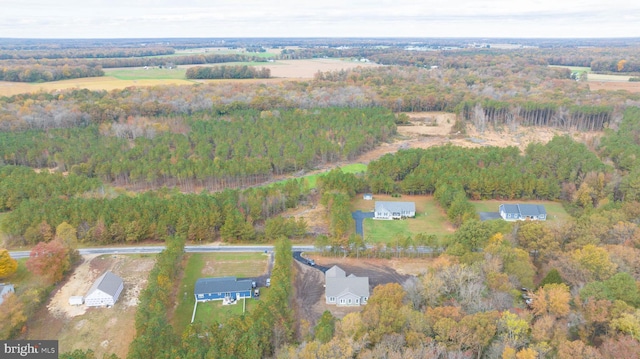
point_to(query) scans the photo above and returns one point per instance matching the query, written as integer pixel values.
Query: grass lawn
(555, 211)
(430, 219)
(352, 168)
(200, 265)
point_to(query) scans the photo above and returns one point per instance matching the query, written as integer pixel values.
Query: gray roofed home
(5, 289)
(222, 287)
(394, 210)
(345, 290)
(521, 212)
(105, 291)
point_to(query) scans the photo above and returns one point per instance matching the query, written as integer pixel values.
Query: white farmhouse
(104, 291)
(394, 210)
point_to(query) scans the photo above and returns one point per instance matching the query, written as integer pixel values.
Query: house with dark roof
(105, 291)
(5, 289)
(394, 210)
(207, 289)
(344, 290)
(523, 212)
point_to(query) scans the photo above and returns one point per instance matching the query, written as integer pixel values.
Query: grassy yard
(199, 265)
(430, 219)
(152, 73)
(555, 211)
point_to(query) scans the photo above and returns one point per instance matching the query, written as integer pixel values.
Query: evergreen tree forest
(203, 163)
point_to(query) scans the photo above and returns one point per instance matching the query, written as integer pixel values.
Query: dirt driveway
(104, 330)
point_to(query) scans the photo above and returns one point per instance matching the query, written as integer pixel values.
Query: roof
(337, 284)
(6, 288)
(335, 272)
(108, 283)
(384, 206)
(221, 284)
(525, 209)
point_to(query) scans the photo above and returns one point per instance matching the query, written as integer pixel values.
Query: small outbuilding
(367, 196)
(221, 288)
(76, 300)
(105, 291)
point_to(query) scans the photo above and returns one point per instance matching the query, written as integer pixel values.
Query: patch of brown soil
(614, 86)
(309, 283)
(104, 330)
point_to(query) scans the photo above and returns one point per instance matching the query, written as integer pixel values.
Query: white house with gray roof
(522, 212)
(105, 291)
(344, 290)
(5, 289)
(394, 210)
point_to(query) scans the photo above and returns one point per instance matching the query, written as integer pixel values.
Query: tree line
(228, 72)
(213, 151)
(40, 73)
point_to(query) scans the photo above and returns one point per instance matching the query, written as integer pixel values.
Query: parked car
(256, 292)
(311, 262)
(268, 282)
(253, 284)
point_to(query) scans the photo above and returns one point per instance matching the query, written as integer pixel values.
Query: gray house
(522, 212)
(5, 289)
(222, 288)
(105, 291)
(394, 210)
(344, 290)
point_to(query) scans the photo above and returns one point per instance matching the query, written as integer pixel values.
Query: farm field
(284, 69)
(199, 265)
(430, 219)
(104, 330)
(555, 211)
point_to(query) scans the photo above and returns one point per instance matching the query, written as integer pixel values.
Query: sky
(319, 18)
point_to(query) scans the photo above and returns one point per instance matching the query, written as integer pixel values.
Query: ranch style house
(207, 289)
(523, 212)
(394, 210)
(344, 290)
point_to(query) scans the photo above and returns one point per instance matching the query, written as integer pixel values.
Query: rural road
(158, 249)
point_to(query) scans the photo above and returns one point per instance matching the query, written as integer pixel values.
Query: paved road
(158, 249)
(297, 255)
(359, 217)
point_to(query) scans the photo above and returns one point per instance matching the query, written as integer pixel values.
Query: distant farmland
(138, 76)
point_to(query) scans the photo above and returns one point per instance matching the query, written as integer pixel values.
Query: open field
(575, 68)
(199, 265)
(555, 211)
(351, 168)
(430, 219)
(614, 86)
(285, 69)
(104, 330)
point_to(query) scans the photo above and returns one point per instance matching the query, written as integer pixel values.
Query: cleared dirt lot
(104, 330)
(309, 283)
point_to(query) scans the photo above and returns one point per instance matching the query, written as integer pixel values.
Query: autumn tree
(49, 260)
(11, 315)
(8, 265)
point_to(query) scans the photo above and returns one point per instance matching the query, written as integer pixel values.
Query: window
(200, 295)
(349, 300)
(332, 299)
(342, 301)
(357, 301)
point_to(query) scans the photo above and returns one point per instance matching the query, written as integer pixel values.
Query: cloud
(252, 18)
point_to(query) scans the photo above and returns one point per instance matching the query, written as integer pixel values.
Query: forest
(197, 164)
